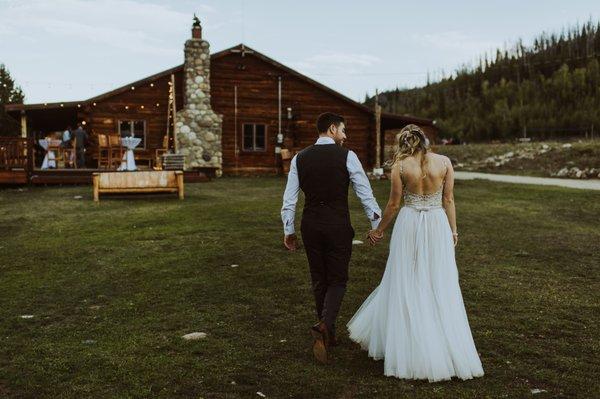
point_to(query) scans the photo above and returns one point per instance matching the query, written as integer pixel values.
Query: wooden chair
(70, 154)
(116, 151)
(55, 148)
(103, 152)
(158, 153)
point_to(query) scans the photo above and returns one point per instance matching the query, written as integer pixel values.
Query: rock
(27, 316)
(198, 79)
(89, 342)
(77, 197)
(536, 391)
(545, 146)
(357, 242)
(194, 336)
(262, 395)
(563, 172)
(185, 129)
(234, 265)
(568, 145)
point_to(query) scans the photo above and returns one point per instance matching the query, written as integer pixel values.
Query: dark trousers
(328, 249)
(80, 157)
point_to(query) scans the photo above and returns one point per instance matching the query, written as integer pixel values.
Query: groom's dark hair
(327, 119)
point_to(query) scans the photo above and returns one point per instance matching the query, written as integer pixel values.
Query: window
(255, 137)
(134, 128)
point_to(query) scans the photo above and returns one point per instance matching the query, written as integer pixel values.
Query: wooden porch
(17, 167)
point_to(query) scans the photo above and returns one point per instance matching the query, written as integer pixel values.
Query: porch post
(23, 125)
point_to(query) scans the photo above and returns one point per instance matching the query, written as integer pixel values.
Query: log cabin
(262, 105)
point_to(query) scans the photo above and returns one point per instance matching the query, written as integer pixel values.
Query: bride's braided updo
(410, 141)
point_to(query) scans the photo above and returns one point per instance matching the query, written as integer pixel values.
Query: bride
(415, 319)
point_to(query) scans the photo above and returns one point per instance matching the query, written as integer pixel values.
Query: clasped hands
(374, 236)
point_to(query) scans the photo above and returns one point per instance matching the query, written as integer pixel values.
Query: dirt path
(544, 181)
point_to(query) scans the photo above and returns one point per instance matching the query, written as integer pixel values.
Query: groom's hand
(375, 236)
(290, 242)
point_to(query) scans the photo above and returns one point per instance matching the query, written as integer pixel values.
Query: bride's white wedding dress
(415, 319)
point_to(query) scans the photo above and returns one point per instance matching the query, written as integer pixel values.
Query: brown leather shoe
(321, 344)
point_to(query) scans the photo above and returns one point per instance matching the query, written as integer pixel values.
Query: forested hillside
(548, 89)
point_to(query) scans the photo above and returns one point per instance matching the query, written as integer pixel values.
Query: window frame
(254, 148)
(131, 126)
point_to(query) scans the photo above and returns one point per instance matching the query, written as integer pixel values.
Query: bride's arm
(448, 199)
(393, 204)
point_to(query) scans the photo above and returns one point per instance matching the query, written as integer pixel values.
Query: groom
(324, 171)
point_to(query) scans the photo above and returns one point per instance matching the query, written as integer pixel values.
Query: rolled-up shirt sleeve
(362, 188)
(290, 198)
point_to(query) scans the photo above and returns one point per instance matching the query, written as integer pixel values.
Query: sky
(69, 50)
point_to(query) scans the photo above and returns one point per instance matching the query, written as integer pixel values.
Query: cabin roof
(220, 54)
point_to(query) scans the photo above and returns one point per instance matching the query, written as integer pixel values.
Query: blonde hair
(410, 141)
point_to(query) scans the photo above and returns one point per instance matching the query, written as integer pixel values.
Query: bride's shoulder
(438, 157)
(396, 169)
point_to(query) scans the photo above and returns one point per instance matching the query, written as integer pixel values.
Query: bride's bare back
(426, 179)
(410, 175)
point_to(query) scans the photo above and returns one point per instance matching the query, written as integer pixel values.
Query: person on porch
(81, 138)
(66, 137)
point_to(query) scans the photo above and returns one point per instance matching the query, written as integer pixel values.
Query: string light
(127, 107)
(142, 107)
(94, 104)
(157, 104)
(132, 87)
(151, 84)
(78, 105)
(62, 105)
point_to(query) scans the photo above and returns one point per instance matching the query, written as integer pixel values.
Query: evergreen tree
(9, 94)
(550, 87)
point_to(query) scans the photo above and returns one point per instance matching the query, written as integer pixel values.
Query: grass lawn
(113, 287)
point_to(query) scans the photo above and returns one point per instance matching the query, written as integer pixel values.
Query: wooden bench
(170, 181)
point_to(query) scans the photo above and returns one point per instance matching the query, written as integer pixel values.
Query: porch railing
(16, 153)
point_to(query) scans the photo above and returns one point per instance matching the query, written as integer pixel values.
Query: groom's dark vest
(324, 179)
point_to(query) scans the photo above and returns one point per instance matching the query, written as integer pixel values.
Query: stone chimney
(198, 127)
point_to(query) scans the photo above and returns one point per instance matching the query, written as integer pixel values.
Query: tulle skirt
(415, 319)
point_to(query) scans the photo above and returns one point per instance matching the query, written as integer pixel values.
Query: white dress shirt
(359, 180)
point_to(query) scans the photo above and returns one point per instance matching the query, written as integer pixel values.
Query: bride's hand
(375, 236)
(455, 238)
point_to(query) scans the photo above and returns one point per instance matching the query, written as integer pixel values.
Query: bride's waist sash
(423, 208)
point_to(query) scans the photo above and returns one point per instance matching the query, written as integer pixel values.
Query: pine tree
(551, 86)
(9, 94)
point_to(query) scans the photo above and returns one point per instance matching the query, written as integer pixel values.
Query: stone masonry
(198, 127)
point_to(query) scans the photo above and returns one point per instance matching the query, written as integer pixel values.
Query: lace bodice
(423, 200)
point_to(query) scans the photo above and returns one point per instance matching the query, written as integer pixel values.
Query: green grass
(134, 275)
(583, 154)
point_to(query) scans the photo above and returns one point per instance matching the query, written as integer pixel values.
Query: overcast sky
(63, 50)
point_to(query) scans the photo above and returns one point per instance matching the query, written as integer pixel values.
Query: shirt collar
(325, 140)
